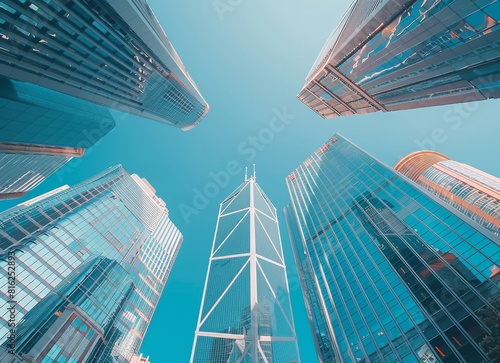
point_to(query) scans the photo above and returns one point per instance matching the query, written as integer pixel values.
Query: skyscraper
(389, 272)
(63, 64)
(471, 191)
(245, 314)
(112, 53)
(395, 55)
(90, 263)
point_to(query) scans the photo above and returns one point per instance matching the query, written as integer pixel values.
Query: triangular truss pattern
(246, 314)
(225, 314)
(231, 196)
(226, 226)
(263, 204)
(267, 240)
(276, 297)
(223, 273)
(237, 242)
(240, 200)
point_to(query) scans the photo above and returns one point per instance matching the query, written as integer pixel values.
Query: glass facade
(108, 53)
(393, 55)
(34, 115)
(21, 173)
(245, 314)
(87, 277)
(390, 273)
(40, 131)
(471, 191)
(73, 320)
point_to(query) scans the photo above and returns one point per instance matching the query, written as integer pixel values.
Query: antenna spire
(254, 173)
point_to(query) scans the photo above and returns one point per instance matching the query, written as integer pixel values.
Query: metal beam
(355, 88)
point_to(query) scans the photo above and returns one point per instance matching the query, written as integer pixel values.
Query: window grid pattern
(398, 275)
(54, 239)
(464, 197)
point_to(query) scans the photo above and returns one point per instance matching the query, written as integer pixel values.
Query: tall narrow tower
(245, 313)
(389, 273)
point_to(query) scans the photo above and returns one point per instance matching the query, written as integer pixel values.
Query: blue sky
(249, 63)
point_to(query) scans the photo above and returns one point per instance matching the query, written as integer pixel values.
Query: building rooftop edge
(43, 196)
(416, 154)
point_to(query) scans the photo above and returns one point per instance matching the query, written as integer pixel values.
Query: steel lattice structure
(245, 314)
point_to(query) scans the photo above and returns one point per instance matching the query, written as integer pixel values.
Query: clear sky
(249, 61)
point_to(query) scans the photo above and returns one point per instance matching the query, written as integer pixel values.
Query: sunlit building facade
(389, 272)
(471, 191)
(245, 313)
(90, 263)
(402, 54)
(112, 53)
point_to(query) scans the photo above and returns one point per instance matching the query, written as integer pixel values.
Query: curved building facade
(471, 191)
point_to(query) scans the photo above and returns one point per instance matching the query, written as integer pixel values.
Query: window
(177, 99)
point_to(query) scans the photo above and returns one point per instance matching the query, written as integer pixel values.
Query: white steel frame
(254, 349)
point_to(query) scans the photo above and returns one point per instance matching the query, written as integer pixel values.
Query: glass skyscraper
(112, 53)
(471, 191)
(82, 270)
(63, 64)
(389, 272)
(388, 55)
(245, 313)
